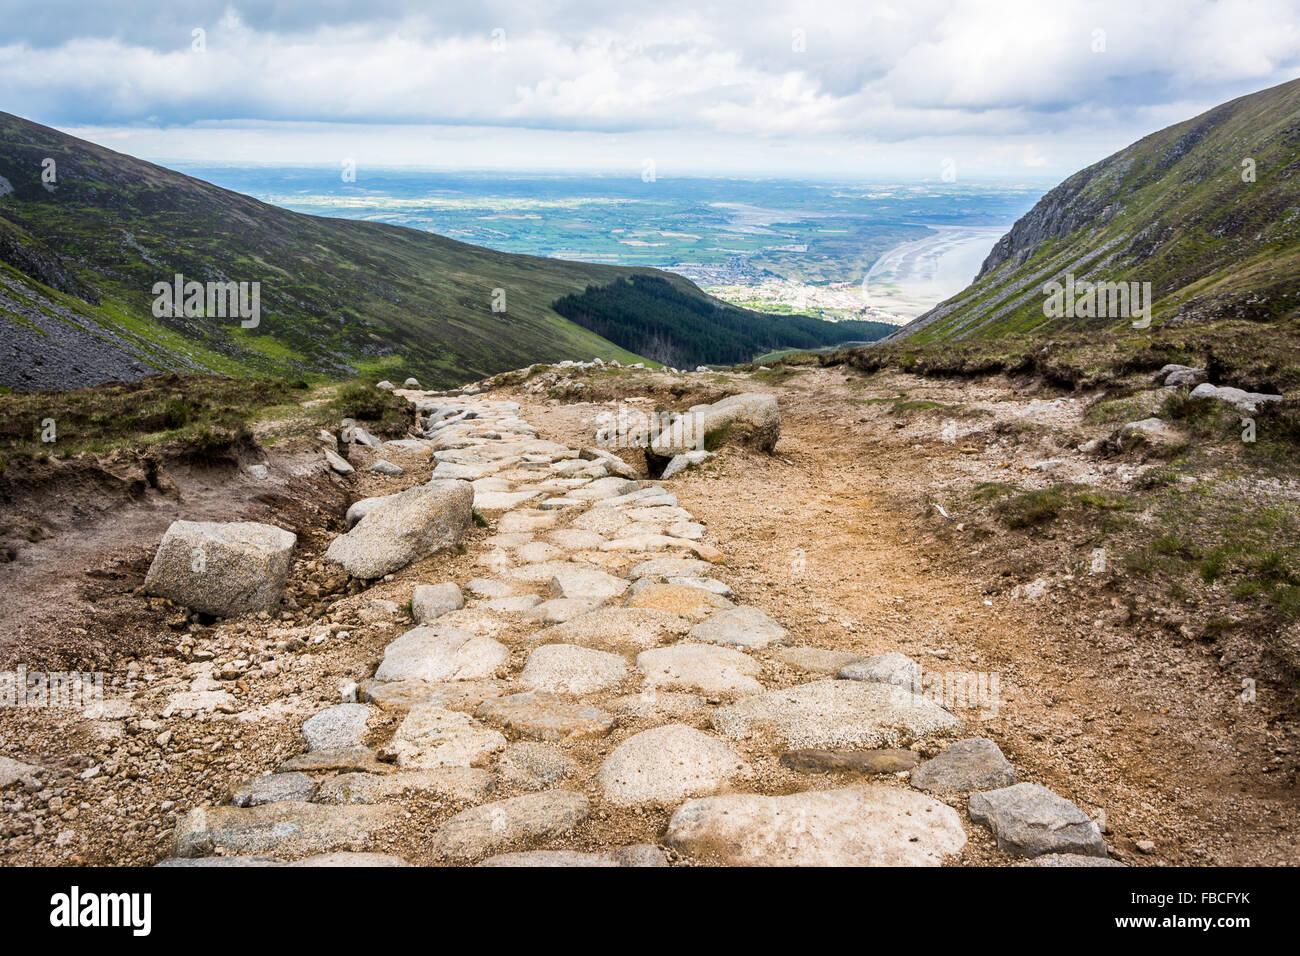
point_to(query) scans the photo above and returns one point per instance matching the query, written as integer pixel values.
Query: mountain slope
(79, 258)
(1179, 209)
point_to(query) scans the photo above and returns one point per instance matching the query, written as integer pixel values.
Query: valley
(770, 245)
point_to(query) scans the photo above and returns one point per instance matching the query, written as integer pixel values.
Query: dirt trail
(834, 536)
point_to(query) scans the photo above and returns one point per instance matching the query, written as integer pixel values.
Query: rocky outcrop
(402, 528)
(224, 569)
(752, 419)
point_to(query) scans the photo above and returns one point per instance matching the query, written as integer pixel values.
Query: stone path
(595, 608)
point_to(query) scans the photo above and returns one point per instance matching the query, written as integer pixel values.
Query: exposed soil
(835, 535)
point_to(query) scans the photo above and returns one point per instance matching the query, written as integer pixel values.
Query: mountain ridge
(1207, 211)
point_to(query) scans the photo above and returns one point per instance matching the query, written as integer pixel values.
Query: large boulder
(1243, 400)
(752, 418)
(405, 527)
(223, 569)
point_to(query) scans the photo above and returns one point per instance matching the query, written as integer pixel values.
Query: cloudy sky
(851, 89)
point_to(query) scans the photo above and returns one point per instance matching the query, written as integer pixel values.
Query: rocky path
(593, 695)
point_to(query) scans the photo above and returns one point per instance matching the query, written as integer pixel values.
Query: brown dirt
(834, 536)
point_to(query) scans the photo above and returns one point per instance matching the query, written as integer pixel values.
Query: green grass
(1023, 509)
(201, 415)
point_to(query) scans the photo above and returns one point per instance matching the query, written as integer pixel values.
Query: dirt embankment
(78, 536)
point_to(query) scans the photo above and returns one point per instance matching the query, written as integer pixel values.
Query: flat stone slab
(221, 862)
(494, 827)
(521, 521)
(604, 488)
(343, 725)
(641, 498)
(869, 825)
(468, 784)
(284, 828)
(815, 660)
(740, 627)
(638, 855)
(200, 700)
(1069, 859)
(671, 568)
(611, 524)
(973, 764)
(502, 500)
(572, 669)
(491, 588)
(441, 654)
(712, 585)
(224, 569)
(658, 705)
(512, 605)
(891, 668)
(449, 470)
(15, 771)
(575, 539)
(274, 788)
(559, 610)
(1030, 820)
(432, 736)
(541, 574)
(535, 552)
(888, 760)
(546, 717)
(337, 462)
(534, 766)
(350, 859)
(359, 759)
(585, 584)
(454, 695)
(617, 628)
(663, 765)
(835, 713)
(430, 601)
(690, 602)
(706, 668)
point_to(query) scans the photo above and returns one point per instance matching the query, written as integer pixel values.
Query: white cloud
(1017, 73)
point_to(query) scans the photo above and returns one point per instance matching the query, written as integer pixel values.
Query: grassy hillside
(79, 257)
(1207, 211)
